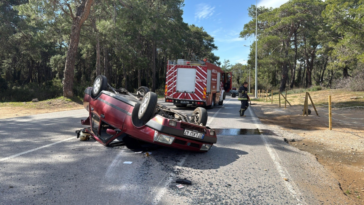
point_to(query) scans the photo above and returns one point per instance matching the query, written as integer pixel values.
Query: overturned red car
(117, 116)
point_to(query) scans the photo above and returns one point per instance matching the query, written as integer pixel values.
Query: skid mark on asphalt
(33, 150)
(291, 186)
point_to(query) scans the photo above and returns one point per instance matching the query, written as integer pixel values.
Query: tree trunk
(125, 77)
(139, 78)
(106, 62)
(82, 14)
(98, 66)
(153, 68)
(284, 69)
(323, 70)
(293, 73)
(346, 72)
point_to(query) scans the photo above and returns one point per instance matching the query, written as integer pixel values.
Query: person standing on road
(244, 98)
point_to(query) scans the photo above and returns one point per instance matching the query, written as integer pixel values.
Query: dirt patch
(18, 109)
(340, 150)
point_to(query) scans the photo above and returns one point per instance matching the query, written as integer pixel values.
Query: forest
(57, 47)
(54, 48)
(306, 43)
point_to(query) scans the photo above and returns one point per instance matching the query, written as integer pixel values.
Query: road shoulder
(312, 178)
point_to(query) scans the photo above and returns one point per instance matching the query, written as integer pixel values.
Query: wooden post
(306, 102)
(279, 99)
(266, 95)
(272, 96)
(330, 114)
(304, 106)
(285, 100)
(313, 105)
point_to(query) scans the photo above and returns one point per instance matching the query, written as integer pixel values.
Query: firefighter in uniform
(244, 98)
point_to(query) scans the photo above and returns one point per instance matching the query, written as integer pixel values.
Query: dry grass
(17, 109)
(339, 98)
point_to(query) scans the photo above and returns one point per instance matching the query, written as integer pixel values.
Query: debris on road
(148, 154)
(35, 100)
(184, 181)
(180, 186)
(128, 162)
(285, 179)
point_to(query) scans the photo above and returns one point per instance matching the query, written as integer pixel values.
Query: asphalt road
(42, 162)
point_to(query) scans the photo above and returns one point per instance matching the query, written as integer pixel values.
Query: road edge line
(291, 186)
(35, 149)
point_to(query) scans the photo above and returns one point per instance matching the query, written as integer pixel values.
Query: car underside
(117, 116)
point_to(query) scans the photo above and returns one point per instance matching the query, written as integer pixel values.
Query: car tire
(100, 84)
(142, 90)
(181, 105)
(233, 95)
(147, 106)
(200, 116)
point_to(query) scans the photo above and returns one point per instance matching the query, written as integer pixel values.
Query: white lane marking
(32, 150)
(213, 117)
(163, 190)
(291, 186)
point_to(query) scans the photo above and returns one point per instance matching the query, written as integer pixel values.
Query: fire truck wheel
(181, 105)
(200, 116)
(212, 102)
(147, 106)
(100, 84)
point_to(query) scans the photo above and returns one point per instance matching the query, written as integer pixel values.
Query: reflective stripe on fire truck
(165, 90)
(204, 93)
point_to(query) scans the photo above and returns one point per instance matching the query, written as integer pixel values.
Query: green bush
(160, 92)
(315, 88)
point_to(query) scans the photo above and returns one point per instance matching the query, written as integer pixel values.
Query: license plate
(194, 134)
(184, 102)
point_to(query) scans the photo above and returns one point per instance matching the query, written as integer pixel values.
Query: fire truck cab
(196, 83)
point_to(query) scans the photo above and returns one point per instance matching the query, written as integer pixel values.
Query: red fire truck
(196, 83)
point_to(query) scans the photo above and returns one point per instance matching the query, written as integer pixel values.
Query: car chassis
(117, 116)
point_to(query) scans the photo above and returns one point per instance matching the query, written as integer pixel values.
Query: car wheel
(147, 106)
(142, 90)
(200, 116)
(100, 84)
(233, 95)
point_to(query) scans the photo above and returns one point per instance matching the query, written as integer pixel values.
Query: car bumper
(160, 124)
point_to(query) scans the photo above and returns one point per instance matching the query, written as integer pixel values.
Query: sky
(224, 20)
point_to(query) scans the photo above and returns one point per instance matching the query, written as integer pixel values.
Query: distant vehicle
(115, 116)
(196, 83)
